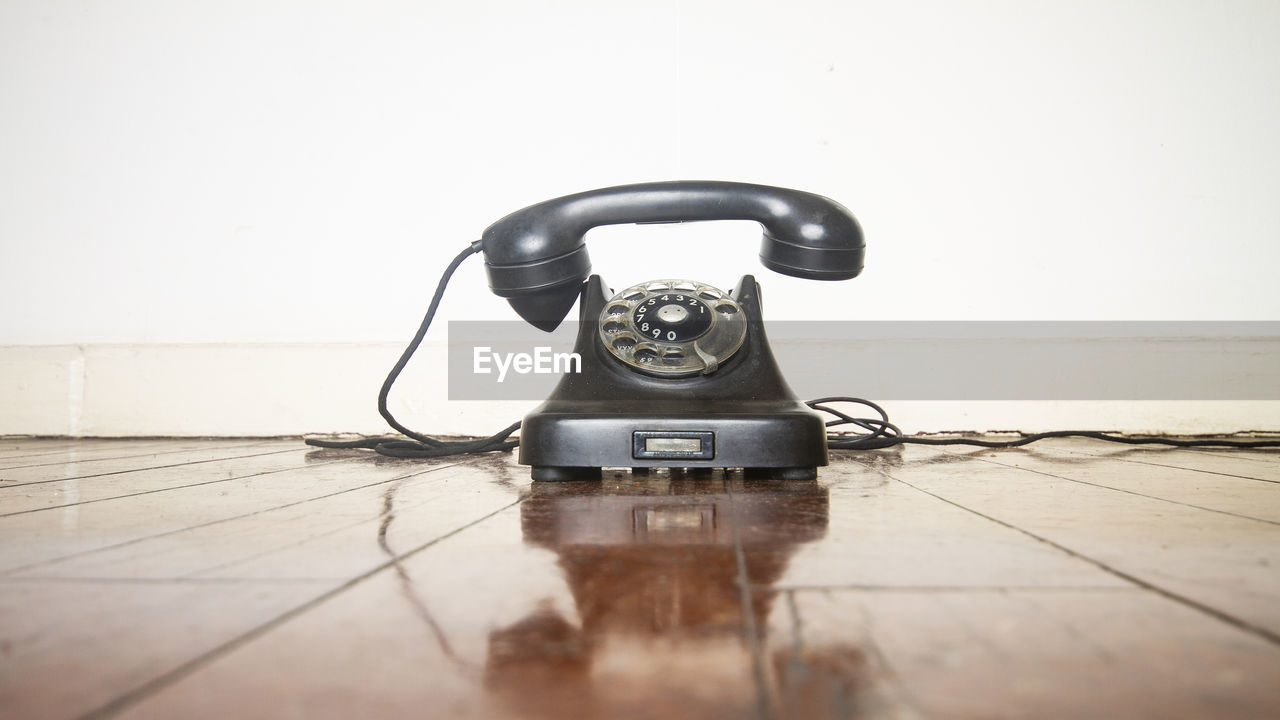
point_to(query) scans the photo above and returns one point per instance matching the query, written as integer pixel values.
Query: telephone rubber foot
(795, 473)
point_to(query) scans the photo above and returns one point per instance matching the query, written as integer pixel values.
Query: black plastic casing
(592, 418)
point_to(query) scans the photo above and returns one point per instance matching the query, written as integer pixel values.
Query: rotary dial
(672, 328)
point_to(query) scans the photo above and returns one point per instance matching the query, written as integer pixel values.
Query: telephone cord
(420, 445)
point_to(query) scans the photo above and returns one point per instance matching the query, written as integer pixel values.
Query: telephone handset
(674, 372)
(537, 259)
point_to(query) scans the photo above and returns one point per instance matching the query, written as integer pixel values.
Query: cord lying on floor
(881, 432)
(885, 434)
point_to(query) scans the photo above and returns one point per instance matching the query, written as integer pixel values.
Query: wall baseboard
(293, 389)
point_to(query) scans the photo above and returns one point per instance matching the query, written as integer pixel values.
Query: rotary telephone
(674, 372)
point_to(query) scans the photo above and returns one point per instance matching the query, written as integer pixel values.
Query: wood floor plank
(13, 478)
(1242, 497)
(71, 647)
(36, 447)
(1221, 563)
(121, 450)
(31, 540)
(55, 494)
(337, 536)
(403, 515)
(1032, 653)
(887, 534)
(1267, 455)
(44, 444)
(1261, 465)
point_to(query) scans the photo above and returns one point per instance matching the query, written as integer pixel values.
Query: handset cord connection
(881, 433)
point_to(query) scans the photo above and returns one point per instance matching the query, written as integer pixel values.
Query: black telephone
(674, 372)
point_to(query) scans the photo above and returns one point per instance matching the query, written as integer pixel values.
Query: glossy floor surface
(245, 579)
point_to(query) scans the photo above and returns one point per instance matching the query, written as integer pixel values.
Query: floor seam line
(304, 466)
(125, 457)
(1114, 457)
(1238, 623)
(220, 520)
(1128, 492)
(1199, 470)
(124, 472)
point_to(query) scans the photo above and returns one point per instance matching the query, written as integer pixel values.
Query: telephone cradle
(674, 373)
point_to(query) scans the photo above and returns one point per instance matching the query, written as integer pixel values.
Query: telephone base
(781, 438)
(743, 415)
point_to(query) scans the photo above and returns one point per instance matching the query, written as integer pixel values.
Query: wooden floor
(245, 579)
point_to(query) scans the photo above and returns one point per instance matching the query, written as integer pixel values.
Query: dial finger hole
(614, 326)
(709, 295)
(673, 356)
(618, 309)
(624, 342)
(646, 354)
(685, 286)
(633, 295)
(657, 286)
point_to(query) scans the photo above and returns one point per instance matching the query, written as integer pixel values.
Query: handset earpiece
(536, 257)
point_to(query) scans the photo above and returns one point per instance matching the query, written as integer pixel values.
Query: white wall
(249, 172)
